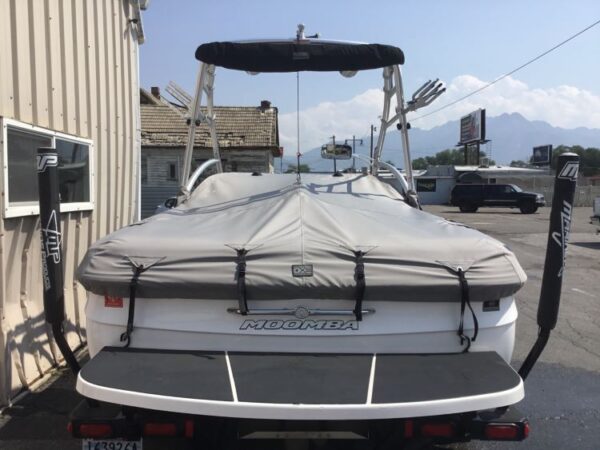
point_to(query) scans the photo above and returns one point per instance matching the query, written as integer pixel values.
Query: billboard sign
(542, 155)
(472, 127)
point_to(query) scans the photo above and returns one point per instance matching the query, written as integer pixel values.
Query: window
(426, 184)
(172, 172)
(144, 169)
(20, 144)
(496, 189)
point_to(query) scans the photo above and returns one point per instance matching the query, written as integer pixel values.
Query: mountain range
(511, 136)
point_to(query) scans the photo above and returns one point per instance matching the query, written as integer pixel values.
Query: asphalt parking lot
(562, 393)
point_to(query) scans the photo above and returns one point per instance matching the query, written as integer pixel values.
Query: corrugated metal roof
(500, 169)
(237, 127)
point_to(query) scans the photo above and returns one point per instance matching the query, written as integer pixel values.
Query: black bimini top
(297, 56)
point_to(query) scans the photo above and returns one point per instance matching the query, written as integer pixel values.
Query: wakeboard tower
(295, 298)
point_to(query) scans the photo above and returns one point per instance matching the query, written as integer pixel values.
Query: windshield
(516, 188)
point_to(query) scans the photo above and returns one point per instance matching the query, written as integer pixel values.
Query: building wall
(157, 185)
(69, 66)
(441, 194)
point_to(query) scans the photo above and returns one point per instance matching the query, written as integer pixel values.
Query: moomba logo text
(299, 325)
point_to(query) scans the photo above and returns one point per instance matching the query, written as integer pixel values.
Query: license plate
(110, 444)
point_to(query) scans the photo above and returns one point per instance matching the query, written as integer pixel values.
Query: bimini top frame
(307, 54)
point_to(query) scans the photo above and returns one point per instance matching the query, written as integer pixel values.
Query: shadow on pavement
(39, 420)
(592, 245)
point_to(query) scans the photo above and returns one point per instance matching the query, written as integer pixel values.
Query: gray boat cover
(320, 223)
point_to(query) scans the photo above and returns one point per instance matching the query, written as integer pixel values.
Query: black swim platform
(133, 375)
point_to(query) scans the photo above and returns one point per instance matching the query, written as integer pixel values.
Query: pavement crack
(575, 342)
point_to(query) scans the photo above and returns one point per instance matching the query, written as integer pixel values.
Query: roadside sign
(542, 155)
(472, 127)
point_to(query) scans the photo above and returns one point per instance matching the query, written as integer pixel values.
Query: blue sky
(461, 42)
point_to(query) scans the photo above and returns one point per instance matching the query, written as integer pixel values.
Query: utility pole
(353, 147)
(373, 128)
(334, 161)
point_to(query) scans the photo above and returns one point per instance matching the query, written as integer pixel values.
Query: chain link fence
(544, 184)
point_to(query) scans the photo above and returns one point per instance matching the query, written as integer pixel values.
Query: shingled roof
(238, 127)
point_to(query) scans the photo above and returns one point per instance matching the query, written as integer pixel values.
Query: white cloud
(342, 119)
(563, 106)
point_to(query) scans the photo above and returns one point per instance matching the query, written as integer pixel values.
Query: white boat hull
(398, 328)
(394, 327)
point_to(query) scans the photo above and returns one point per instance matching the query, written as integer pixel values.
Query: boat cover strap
(126, 336)
(359, 277)
(464, 302)
(240, 275)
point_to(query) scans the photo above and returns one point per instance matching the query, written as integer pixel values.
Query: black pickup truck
(471, 197)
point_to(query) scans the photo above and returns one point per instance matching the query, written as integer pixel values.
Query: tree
(589, 158)
(304, 168)
(448, 157)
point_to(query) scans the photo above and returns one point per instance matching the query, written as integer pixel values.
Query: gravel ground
(562, 393)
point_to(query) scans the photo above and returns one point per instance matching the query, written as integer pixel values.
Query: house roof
(238, 127)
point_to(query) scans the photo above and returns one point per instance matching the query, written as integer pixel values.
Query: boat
(295, 298)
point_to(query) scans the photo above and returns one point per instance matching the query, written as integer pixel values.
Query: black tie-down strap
(359, 277)
(240, 274)
(126, 336)
(464, 302)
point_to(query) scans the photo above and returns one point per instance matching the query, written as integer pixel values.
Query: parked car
(471, 197)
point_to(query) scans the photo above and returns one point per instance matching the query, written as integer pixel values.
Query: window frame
(11, 211)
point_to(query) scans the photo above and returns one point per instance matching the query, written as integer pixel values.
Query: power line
(476, 91)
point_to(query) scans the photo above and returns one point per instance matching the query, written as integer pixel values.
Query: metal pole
(334, 161)
(372, 129)
(403, 123)
(194, 123)
(353, 160)
(298, 154)
(52, 268)
(354, 148)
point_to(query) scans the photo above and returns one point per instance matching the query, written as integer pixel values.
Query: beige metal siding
(70, 66)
